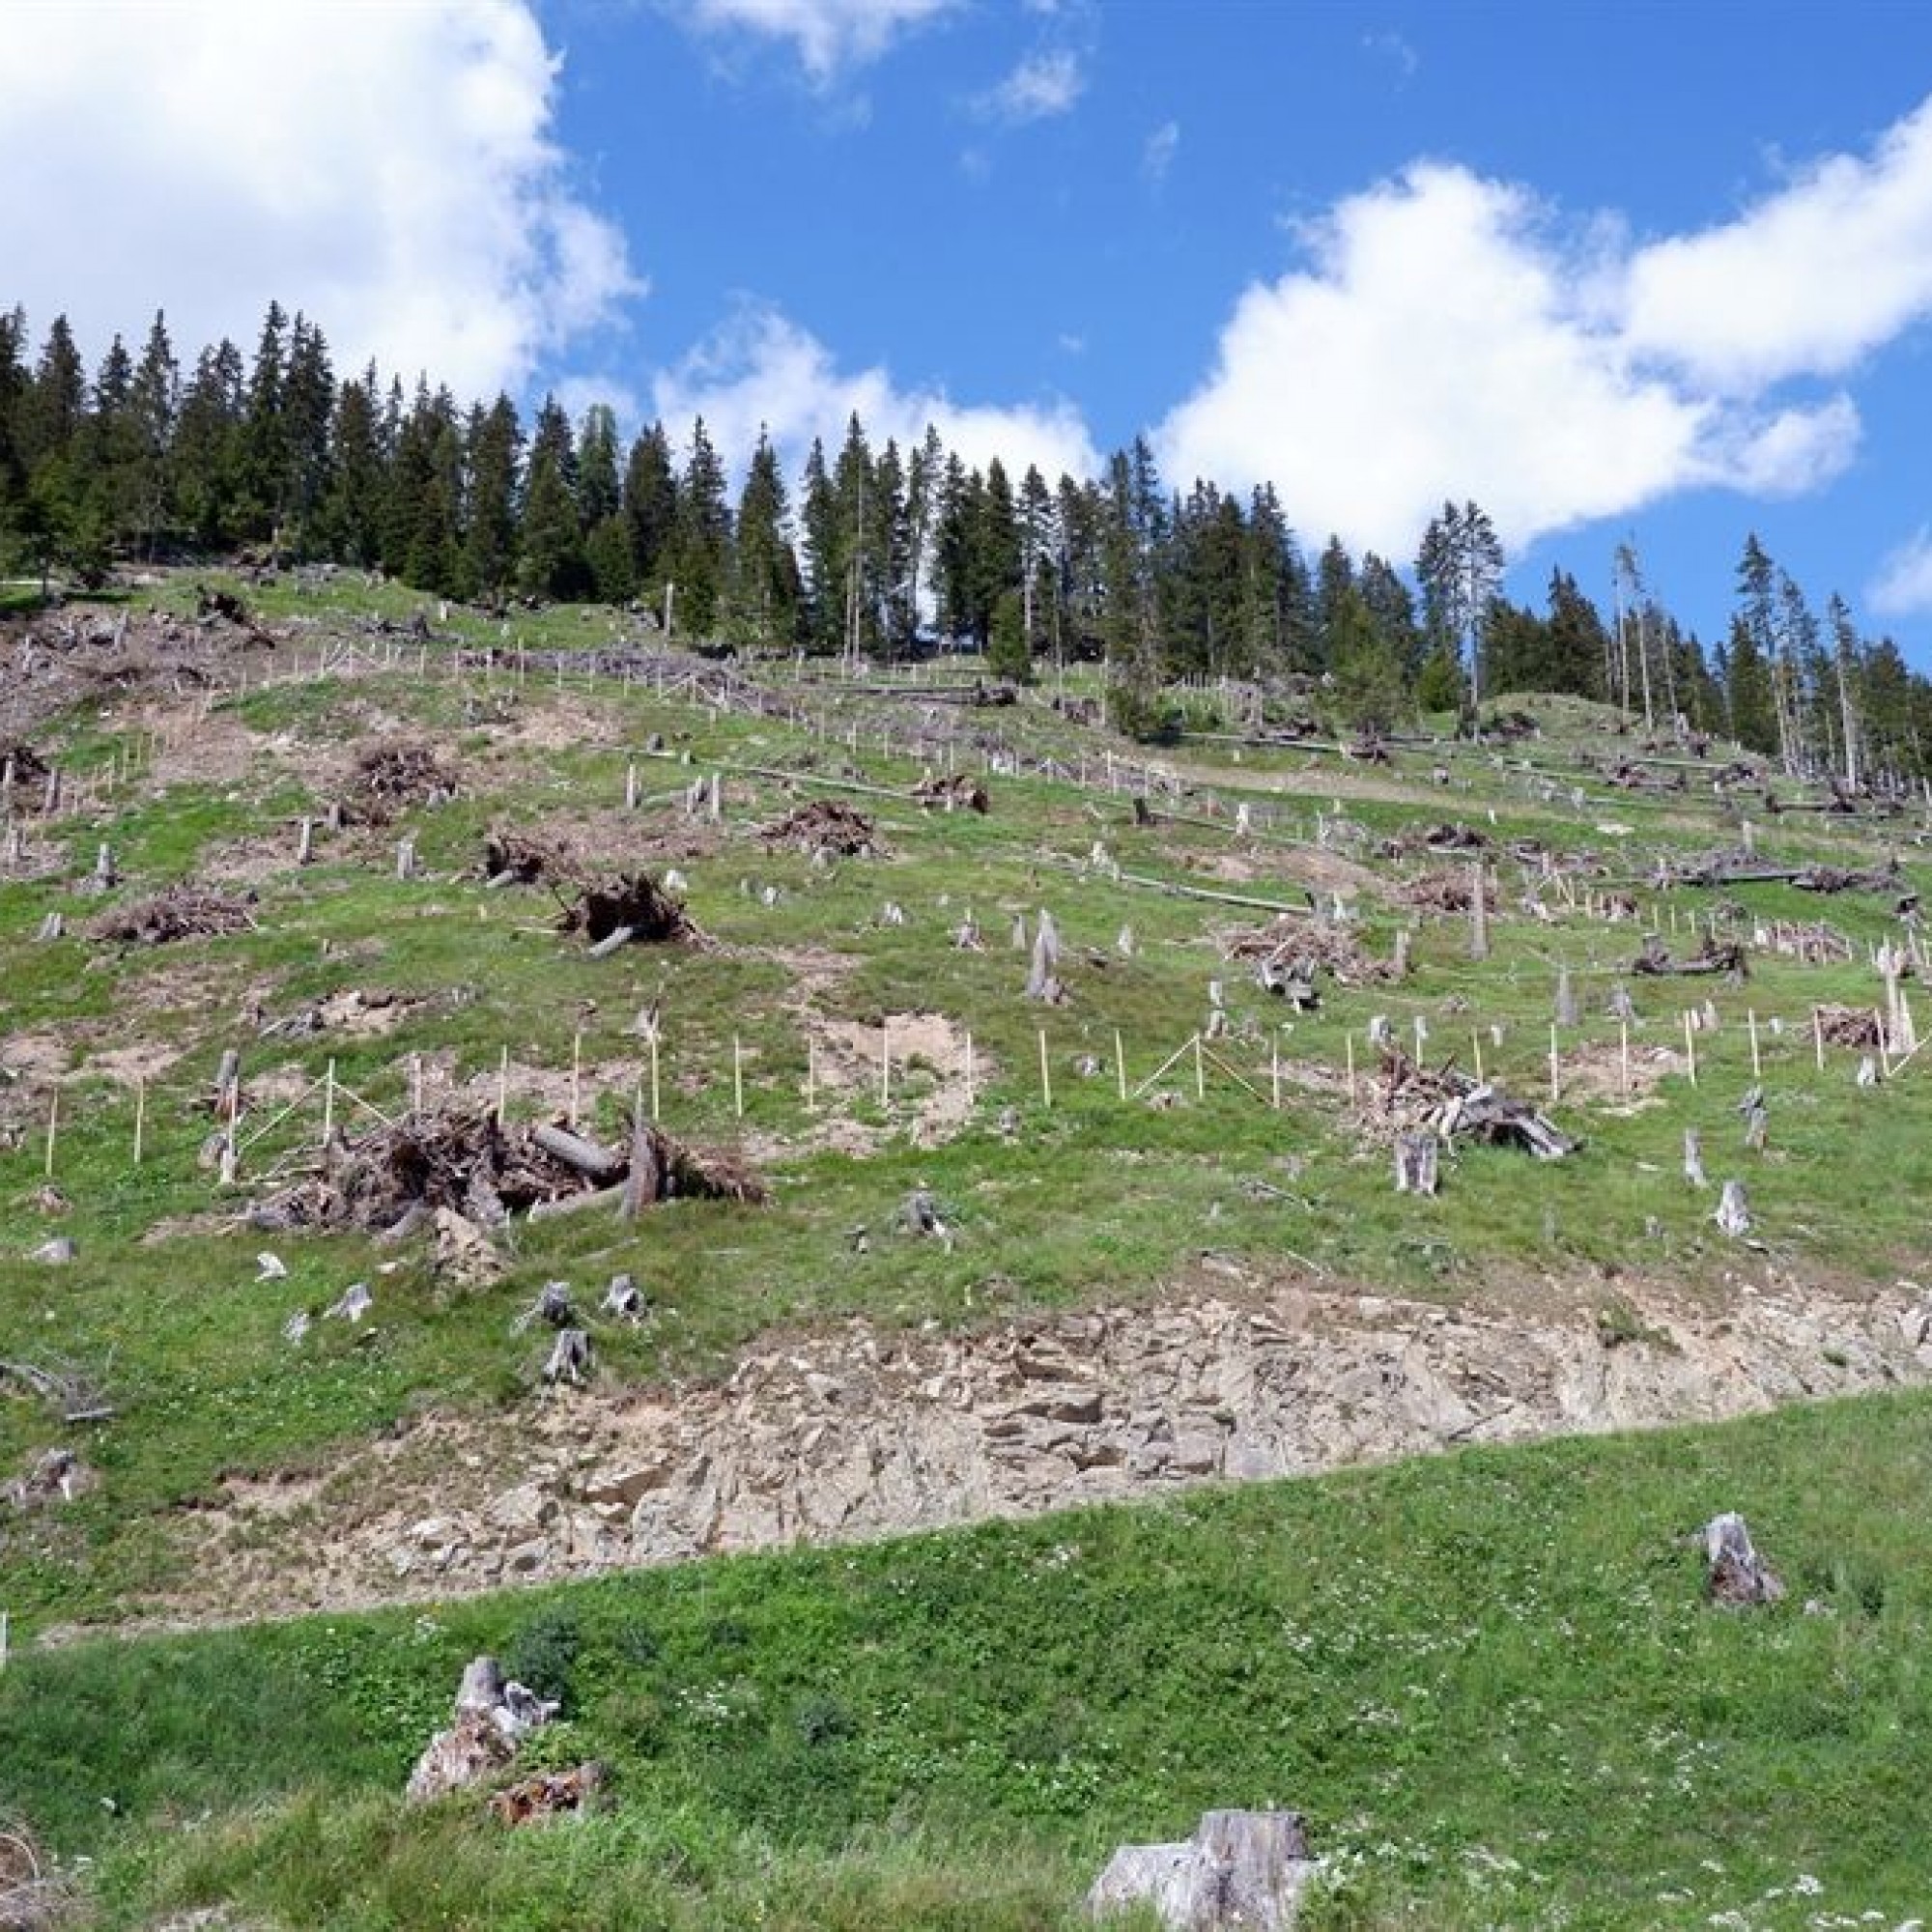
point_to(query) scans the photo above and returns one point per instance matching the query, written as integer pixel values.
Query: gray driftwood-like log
(1042, 978)
(569, 1357)
(582, 1156)
(1733, 1214)
(1240, 1870)
(1416, 1157)
(1735, 1575)
(624, 1298)
(1290, 978)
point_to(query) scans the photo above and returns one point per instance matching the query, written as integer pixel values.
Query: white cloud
(1160, 149)
(1447, 337)
(1041, 86)
(1430, 351)
(393, 177)
(1807, 281)
(828, 35)
(763, 371)
(1903, 584)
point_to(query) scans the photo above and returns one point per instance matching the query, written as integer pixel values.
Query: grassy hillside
(436, 986)
(1489, 1682)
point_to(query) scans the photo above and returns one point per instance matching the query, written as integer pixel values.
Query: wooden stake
(1750, 1022)
(53, 1130)
(1046, 1071)
(415, 1083)
(1556, 1067)
(140, 1116)
(1690, 1049)
(1348, 1040)
(885, 1063)
(1274, 1071)
(1200, 1072)
(1624, 1056)
(577, 1076)
(1818, 1039)
(502, 1086)
(329, 1104)
(1120, 1063)
(1476, 1047)
(654, 1078)
(737, 1078)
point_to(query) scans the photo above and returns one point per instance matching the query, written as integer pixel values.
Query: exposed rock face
(1240, 1870)
(861, 1432)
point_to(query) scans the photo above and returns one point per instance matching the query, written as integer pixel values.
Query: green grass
(1086, 1199)
(1489, 1680)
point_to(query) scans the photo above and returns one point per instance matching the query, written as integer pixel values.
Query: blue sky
(1646, 272)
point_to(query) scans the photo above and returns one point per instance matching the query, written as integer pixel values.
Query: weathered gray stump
(1735, 1575)
(1416, 1158)
(1240, 1870)
(1733, 1214)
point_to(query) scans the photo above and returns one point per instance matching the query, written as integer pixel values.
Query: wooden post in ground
(1119, 1064)
(737, 1078)
(1750, 1022)
(1045, 1072)
(576, 1076)
(1690, 1047)
(329, 1104)
(1818, 1039)
(1476, 1049)
(1556, 1067)
(655, 1112)
(1624, 1057)
(502, 1086)
(1274, 1071)
(885, 1063)
(140, 1116)
(1348, 1042)
(53, 1131)
(1200, 1072)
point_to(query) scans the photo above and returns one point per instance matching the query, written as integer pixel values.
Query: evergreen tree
(307, 424)
(494, 441)
(649, 510)
(155, 404)
(262, 450)
(701, 543)
(598, 493)
(763, 602)
(207, 454)
(1366, 684)
(352, 504)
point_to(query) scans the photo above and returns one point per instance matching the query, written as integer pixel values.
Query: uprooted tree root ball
(631, 909)
(393, 777)
(394, 1179)
(181, 911)
(825, 825)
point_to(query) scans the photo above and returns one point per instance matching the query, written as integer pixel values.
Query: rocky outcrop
(861, 1432)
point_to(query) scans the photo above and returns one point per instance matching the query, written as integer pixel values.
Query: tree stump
(1240, 1870)
(1416, 1157)
(1733, 1214)
(1736, 1576)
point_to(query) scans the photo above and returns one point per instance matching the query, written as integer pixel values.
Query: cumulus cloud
(1448, 335)
(393, 178)
(1041, 86)
(763, 371)
(1807, 280)
(829, 36)
(1903, 584)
